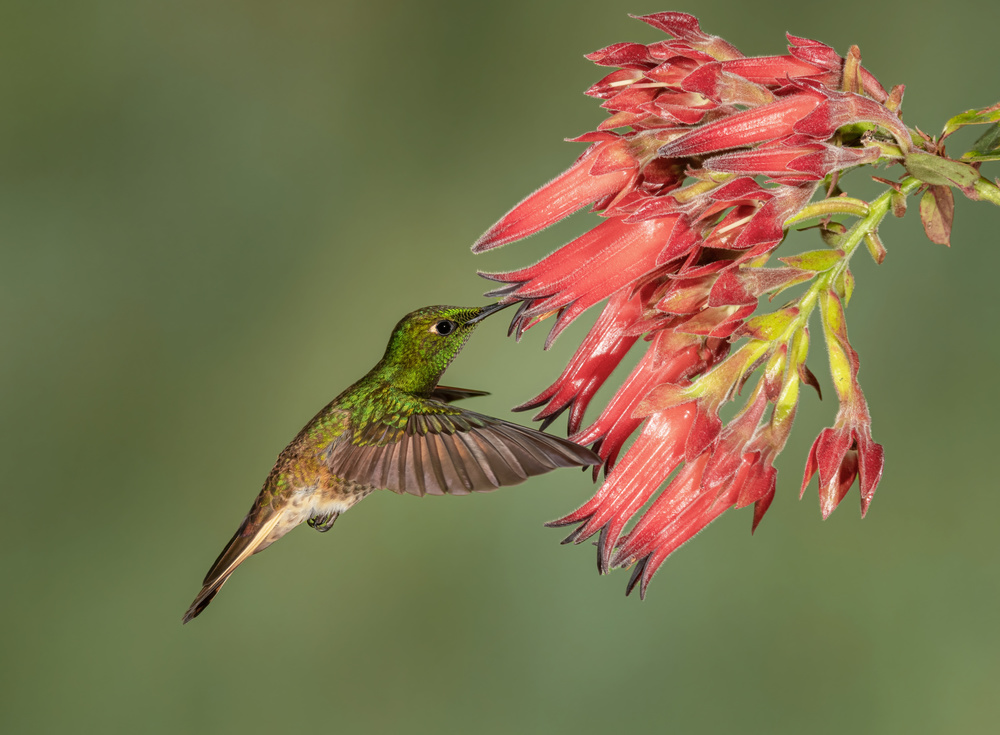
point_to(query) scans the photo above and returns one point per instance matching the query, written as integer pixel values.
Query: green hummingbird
(395, 429)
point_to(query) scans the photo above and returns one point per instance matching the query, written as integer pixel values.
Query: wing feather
(533, 460)
(508, 462)
(435, 478)
(444, 450)
(416, 468)
(464, 464)
(447, 393)
(478, 458)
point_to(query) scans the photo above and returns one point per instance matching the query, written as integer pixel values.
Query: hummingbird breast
(325, 501)
(308, 489)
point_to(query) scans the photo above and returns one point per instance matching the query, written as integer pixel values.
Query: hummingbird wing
(448, 394)
(440, 449)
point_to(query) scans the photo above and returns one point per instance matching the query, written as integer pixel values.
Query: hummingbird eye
(444, 327)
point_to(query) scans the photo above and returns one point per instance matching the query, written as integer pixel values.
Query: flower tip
(761, 505)
(574, 534)
(557, 523)
(812, 464)
(678, 25)
(807, 476)
(492, 238)
(567, 520)
(637, 575)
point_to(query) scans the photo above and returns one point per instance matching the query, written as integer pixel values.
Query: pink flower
(705, 157)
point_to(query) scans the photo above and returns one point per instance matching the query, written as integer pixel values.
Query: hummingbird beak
(489, 310)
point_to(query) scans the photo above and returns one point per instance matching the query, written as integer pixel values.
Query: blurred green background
(212, 214)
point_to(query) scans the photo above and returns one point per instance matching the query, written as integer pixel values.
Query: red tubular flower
(696, 496)
(814, 160)
(705, 157)
(735, 472)
(765, 230)
(593, 267)
(823, 56)
(599, 354)
(769, 122)
(685, 28)
(772, 71)
(573, 189)
(656, 453)
(673, 357)
(847, 450)
(840, 454)
(677, 515)
(725, 88)
(846, 108)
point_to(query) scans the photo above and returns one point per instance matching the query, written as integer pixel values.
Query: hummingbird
(395, 429)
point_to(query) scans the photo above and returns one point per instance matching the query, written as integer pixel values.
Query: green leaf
(987, 148)
(814, 260)
(972, 117)
(940, 171)
(768, 327)
(844, 285)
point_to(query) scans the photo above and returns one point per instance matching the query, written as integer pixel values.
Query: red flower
(603, 169)
(840, 454)
(704, 159)
(847, 450)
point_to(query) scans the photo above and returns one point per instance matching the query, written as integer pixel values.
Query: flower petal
(574, 188)
(756, 125)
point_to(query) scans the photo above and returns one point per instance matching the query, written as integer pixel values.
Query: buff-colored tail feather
(237, 551)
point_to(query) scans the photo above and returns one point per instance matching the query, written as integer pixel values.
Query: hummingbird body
(394, 429)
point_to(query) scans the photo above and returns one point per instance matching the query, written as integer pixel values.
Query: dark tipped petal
(505, 290)
(572, 536)
(515, 321)
(550, 419)
(637, 574)
(602, 558)
(568, 521)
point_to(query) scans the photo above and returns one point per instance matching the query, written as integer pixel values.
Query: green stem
(877, 211)
(828, 207)
(757, 350)
(849, 242)
(988, 191)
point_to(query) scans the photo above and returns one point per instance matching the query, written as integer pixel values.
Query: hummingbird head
(425, 341)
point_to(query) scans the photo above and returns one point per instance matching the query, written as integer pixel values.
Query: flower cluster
(705, 161)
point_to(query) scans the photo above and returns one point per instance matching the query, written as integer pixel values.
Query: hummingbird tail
(248, 540)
